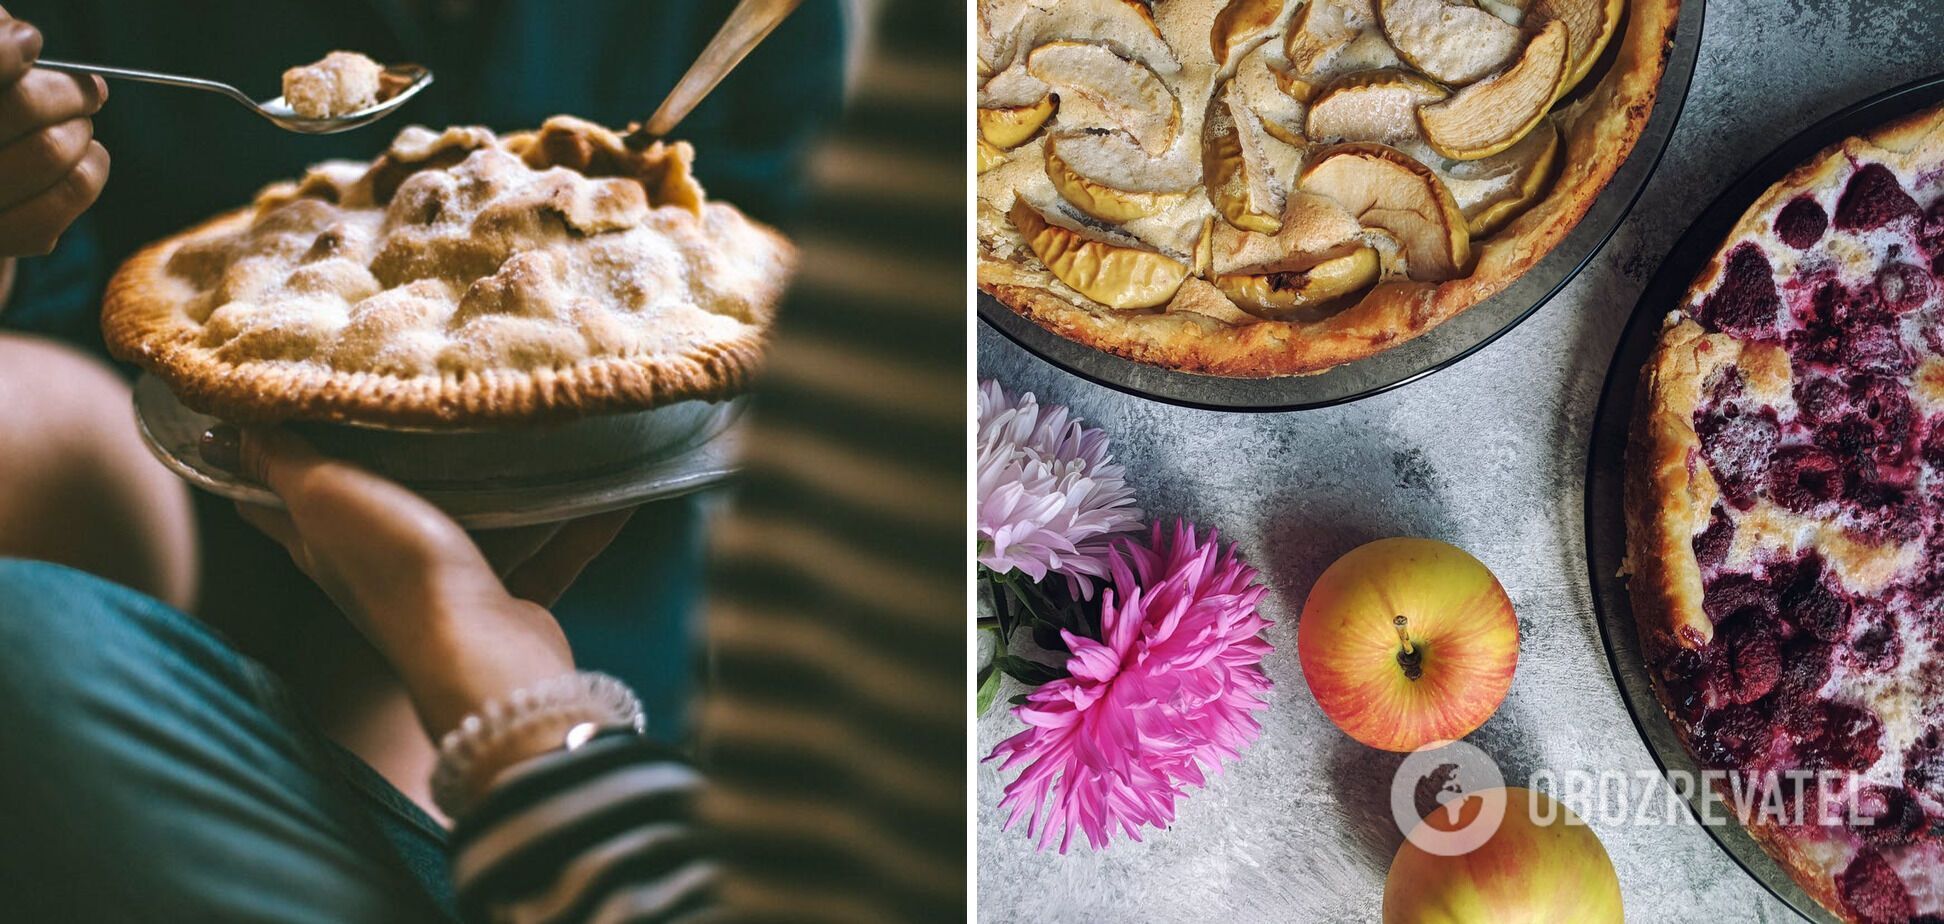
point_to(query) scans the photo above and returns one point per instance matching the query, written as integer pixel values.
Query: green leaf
(988, 688)
(1031, 673)
(1019, 700)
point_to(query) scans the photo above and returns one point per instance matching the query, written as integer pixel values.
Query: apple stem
(1408, 657)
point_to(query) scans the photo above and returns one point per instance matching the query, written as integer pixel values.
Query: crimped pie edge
(139, 325)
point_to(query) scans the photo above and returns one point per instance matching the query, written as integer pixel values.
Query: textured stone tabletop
(1489, 455)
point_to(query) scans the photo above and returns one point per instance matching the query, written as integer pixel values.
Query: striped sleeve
(834, 729)
(601, 833)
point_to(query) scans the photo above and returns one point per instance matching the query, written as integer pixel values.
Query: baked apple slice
(989, 156)
(1493, 114)
(1328, 38)
(1000, 23)
(1126, 26)
(1512, 11)
(1204, 255)
(1385, 188)
(1113, 275)
(1100, 88)
(1116, 200)
(1590, 25)
(1240, 194)
(1454, 43)
(1238, 22)
(1378, 106)
(1302, 292)
(1260, 86)
(1493, 191)
(1011, 126)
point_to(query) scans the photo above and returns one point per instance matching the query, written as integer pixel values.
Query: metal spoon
(749, 23)
(414, 77)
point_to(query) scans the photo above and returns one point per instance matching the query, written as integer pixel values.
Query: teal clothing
(181, 156)
(155, 774)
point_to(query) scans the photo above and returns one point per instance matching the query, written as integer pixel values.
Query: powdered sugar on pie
(460, 277)
(1786, 514)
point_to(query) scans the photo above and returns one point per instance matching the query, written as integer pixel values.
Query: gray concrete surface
(1489, 455)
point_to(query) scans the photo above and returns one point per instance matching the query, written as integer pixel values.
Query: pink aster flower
(1049, 498)
(1167, 693)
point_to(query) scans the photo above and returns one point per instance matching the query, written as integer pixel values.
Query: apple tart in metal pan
(1258, 188)
(467, 310)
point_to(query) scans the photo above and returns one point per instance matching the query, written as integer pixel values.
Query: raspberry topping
(1731, 737)
(1738, 446)
(1872, 892)
(1711, 547)
(1931, 233)
(1839, 737)
(1813, 606)
(1934, 442)
(1734, 597)
(1888, 816)
(1801, 223)
(1877, 648)
(1746, 303)
(1924, 764)
(1903, 287)
(1748, 662)
(1873, 199)
(1801, 478)
(1805, 668)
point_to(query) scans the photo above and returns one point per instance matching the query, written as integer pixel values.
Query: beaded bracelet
(585, 703)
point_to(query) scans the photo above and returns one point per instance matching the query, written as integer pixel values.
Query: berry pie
(1785, 505)
(1275, 187)
(460, 279)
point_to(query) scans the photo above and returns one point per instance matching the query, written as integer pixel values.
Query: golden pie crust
(1670, 490)
(460, 279)
(1201, 330)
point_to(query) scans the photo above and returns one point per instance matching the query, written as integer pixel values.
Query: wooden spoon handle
(750, 23)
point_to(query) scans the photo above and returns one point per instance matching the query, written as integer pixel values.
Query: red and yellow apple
(1408, 641)
(1541, 865)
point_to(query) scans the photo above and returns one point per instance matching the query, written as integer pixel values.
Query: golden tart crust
(1672, 490)
(1201, 329)
(460, 279)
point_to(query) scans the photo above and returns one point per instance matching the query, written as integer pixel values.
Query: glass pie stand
(1443, 345)
(1605, 520)
(489, 479)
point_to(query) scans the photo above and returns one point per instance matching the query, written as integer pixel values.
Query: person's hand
(460, 628)
(51, 168)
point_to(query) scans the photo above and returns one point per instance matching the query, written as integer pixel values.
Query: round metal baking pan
(488, 479)
(1605, 519)
(1443, 345)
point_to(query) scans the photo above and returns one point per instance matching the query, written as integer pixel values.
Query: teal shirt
(180, 156)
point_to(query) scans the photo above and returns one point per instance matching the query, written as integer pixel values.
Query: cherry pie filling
(1806, 670)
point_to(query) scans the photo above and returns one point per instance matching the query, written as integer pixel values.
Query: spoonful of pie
(342, 92)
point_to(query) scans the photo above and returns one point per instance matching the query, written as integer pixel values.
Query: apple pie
(342, 83)
(1276, 187)
(461, 278)
(1785, 520)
